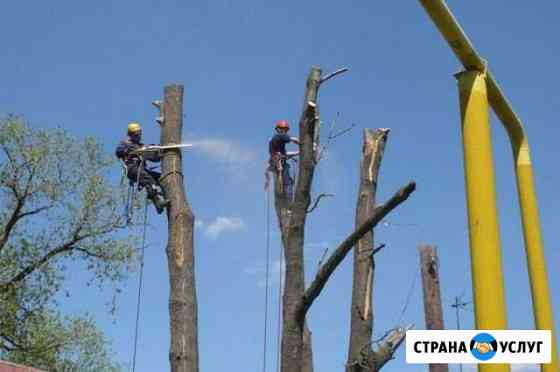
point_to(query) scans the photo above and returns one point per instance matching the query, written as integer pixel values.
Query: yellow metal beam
(471, 60)
(484, 232)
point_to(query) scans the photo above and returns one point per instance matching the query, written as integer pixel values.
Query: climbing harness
(282, 167)
(140, 281)
(132, 191)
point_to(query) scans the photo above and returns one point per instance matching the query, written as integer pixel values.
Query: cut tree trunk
(292, 217)
(433, 309)
(361, 323)
(183, 353)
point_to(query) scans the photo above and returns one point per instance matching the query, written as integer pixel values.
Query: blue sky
(91, 67)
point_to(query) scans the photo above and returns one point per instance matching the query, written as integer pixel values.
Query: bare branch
(338, 255)
(344, 131)
(331, 137)
(316, 203)
(323, 257)
(378, 249)
(330, 76)
(35, 211)
(372, 252)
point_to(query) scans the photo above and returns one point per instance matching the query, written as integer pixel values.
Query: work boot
(160, 203)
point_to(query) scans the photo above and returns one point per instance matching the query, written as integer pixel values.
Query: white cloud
(259, 271)
(224, 151)
(318, 245)
(220, 225)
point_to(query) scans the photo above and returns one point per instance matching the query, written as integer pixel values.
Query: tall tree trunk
(183, 354)
(296, 351)
(361, 324)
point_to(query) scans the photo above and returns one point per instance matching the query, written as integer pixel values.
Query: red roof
(11, 367)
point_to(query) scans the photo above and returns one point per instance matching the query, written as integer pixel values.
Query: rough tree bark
(361, 318)
(183, 353)
(433, 309)
(292, 215)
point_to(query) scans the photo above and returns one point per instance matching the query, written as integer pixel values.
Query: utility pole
(429, 268)
(458, 305)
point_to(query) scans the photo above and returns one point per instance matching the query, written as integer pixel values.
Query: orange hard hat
(282, 124)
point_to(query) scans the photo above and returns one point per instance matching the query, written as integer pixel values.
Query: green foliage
(63, 345)
(57, 209)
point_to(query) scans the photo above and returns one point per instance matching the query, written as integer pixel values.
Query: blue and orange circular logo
(483, 346)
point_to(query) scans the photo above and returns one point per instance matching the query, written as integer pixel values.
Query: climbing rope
(279, 317)
(140, 279)
(408, 297)
(132, 191)
(265, 338)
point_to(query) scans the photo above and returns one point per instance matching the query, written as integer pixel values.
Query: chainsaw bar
(164, 147)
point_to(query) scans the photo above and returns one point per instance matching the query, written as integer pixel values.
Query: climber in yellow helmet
(136, 170)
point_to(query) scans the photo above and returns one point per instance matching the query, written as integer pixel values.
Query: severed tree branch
(338, 255)
(316, 203)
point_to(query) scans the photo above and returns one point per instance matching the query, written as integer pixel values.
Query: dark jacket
(125, 151)
(277, 144)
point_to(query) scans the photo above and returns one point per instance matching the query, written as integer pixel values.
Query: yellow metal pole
(484, 236)
(536, 262)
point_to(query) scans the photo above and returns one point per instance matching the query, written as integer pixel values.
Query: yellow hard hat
(134, 128)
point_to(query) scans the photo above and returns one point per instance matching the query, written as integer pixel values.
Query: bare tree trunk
(183, 354)
(361, 325)
(433, 310)
(292, 215)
